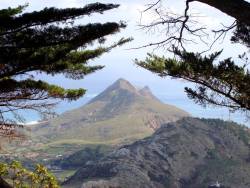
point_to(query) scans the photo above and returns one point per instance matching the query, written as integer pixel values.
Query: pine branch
(222, 84)
(10, 23)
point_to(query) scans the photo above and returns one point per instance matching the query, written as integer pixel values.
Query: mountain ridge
(189, 153)
(120, 113)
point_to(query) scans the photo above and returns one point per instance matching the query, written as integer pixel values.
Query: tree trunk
(4, 184)
(238, 9)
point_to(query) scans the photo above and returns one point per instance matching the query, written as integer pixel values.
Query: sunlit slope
(119, 114)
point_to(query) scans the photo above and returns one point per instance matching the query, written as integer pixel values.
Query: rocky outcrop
(190, 153)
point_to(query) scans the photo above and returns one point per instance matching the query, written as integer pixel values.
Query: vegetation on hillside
(80, 158)
(118, 115)
(191, 153)
(240, 131)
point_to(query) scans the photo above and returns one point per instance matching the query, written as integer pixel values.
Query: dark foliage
(49, 42)
(224, 83)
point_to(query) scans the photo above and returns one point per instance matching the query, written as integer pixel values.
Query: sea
(184, 103)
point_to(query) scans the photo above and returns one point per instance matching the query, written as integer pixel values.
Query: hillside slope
(190, 153)
(119, 114)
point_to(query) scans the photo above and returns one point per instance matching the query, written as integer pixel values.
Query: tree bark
(238, 9)
(4, 184)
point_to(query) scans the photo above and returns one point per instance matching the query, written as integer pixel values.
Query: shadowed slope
(189, 153)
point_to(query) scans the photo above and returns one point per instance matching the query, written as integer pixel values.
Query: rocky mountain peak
(146, 92)
(121, 113)
(123, 84)
(118, 90)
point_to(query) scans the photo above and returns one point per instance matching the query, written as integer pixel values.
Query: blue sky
(120, 62)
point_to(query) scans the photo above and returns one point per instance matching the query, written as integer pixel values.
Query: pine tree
(222, 83)
(49, 42)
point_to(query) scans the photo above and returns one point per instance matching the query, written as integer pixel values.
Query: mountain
(80, 158)
(120, 114)
(189, 153)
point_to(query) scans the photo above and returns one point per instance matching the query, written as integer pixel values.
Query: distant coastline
(185, 104)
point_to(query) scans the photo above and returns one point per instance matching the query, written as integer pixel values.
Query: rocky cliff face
(190, 153)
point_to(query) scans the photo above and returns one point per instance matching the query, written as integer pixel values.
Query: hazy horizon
(120, 61)
(165, 96)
